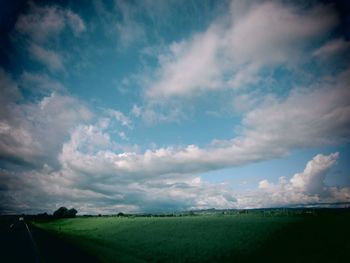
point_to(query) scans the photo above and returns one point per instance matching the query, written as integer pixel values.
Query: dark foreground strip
(54, 248)
(35, 247)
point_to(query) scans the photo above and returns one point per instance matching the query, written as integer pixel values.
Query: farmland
(209, 238)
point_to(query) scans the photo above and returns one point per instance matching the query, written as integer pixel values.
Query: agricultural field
(209, 238)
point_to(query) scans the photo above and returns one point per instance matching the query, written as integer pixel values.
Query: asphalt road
(22, 242)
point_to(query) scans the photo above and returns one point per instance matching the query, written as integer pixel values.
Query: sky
(164, 106)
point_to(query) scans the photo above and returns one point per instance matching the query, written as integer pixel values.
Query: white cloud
(40, 28)
(128, 29)
(308, 117)
(40, 23)
(120, 117)
(75, 22)
(80, 164)
(122, 135)
(307, 187)
(311, 180)
(189, 66)
(129, 32)
(271, 32)
(331, 48)
(88, 138)
(246, 101)
(264, 184)
(9, 88)
(39, 83)
(46, 57)
(120, 21)
(25, 192)
(90, 169)
(231, 54)
(245, 76)
(44, 22)
(92, 192)
(33, 132)
(153, 114)
(136, 111)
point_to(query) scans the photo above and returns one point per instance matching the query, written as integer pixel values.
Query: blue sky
(152, 106)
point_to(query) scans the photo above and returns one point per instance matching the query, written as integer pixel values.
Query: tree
(60, 212)
(71, 212)
(63, 212)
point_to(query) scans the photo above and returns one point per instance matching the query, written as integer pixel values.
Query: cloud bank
(80, 165)
(55, 149)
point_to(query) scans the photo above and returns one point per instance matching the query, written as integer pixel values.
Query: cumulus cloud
(99, 187)
(307, 187)
(94, 174)
(231, 54)
(311, 116)
(319, 118)
(88, 195)
(311, 180)
(33, 132)
(91, 193)
(96, 171)
(150, 176)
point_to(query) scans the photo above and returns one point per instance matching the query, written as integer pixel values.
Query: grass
(214, 238)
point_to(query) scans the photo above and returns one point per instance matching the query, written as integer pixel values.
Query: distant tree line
(63, 212)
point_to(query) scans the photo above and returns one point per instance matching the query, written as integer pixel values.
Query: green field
(212, 238)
